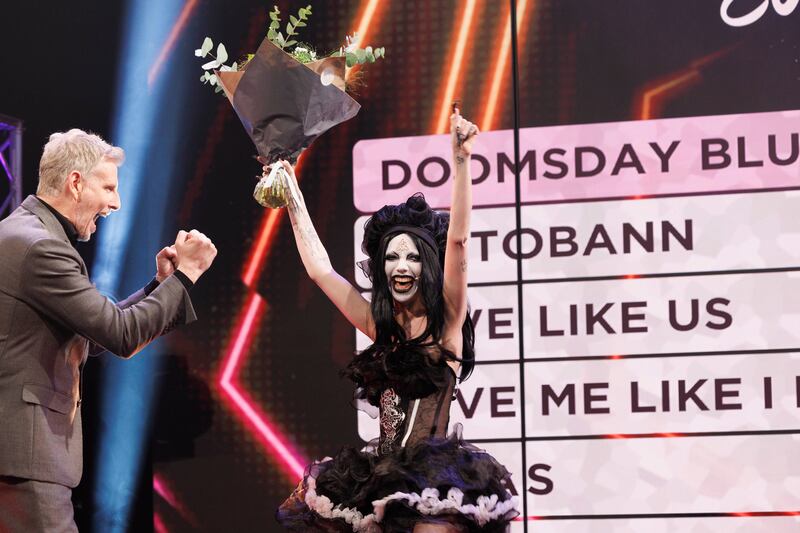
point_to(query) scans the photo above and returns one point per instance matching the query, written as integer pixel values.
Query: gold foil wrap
(273, 190)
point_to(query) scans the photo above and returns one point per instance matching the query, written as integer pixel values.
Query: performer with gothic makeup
(415, 478)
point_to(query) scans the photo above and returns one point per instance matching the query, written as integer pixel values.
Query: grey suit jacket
(49, 314)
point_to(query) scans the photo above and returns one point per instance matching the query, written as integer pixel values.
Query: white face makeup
(403, 267)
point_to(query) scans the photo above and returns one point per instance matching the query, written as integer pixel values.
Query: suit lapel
(51, 224)
(76, 351)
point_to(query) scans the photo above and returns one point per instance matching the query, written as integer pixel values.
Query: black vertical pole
(518, 213)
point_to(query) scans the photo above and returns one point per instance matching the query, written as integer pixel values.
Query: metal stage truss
(10, 164)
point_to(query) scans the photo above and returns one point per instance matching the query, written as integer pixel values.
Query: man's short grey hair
(74, 150)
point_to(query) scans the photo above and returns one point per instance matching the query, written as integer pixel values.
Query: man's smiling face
(98, 197)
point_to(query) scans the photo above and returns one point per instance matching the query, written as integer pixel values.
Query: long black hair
(378, 231)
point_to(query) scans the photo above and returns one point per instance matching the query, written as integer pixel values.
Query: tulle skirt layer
(443, 480)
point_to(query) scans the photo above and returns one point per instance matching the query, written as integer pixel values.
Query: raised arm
(54, 284)
(463, 134)
(318, 265)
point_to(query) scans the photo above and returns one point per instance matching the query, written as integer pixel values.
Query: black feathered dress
(414, 472)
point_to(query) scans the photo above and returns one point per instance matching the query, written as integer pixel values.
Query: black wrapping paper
(284, 105)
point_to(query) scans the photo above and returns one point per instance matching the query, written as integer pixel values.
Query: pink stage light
(161, 488)
(497, 86)
(651, 100)
(237, 353)
(169, 44)
(365, 22)
(266, 233)
(255, 420)
(158, 524)
(460, 42)
(364, 25)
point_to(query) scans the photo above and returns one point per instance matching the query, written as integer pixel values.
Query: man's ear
(75, 185)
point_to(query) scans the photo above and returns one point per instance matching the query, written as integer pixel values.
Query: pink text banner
(679, 156)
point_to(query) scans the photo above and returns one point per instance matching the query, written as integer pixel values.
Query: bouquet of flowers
(284, 95)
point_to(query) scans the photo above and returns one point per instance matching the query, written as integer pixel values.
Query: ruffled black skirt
(438, 480)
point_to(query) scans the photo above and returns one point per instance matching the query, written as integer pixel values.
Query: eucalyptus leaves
(216, 64)
(276, 37)
(358, 56)
(289, 43)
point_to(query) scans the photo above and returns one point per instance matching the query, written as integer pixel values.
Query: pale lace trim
(323, 506)
(488, 508)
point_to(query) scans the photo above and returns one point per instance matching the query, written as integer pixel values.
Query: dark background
(579, 62)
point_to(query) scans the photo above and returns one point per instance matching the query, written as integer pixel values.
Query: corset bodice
(404, 421)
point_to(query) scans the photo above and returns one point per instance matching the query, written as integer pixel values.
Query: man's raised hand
(195, 253)
(166, 263)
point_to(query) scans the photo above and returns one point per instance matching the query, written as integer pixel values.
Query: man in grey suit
(51, 317)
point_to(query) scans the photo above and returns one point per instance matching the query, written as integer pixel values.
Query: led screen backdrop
(642, 370)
